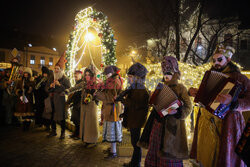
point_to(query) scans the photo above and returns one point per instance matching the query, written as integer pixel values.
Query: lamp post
(26, 55)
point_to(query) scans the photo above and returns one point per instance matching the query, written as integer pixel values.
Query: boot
(107, 151)
(62, 135)
(47, 129)
(52, 133)
(72, 136)
(111, 156)
(26, 126)
(90, 145)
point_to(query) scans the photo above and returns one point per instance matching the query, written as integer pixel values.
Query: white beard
(58, 75)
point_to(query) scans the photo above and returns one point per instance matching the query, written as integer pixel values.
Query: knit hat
(226, 51)
(45, 70)
(27, 70)
(111, 69)
(61, 62)
(170, 64)
(138, 69)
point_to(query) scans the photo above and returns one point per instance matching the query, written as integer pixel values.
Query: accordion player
(163, 99)
(213, 84)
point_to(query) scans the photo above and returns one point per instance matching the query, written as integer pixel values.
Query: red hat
(61, 62)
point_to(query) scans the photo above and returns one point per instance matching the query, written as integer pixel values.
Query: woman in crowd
(24, 91)
(168, 140)
(112, 128)
(89, 132)
(135, 99)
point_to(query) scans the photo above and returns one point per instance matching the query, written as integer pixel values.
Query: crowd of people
(43, 99)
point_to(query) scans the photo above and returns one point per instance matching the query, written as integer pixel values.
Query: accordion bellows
(163, 98)
(213, 84)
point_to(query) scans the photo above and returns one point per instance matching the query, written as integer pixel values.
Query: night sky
(55, 18)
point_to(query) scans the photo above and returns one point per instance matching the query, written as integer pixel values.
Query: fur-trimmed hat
(170, 64)
(138, 69)
(27, 70)
(45, 70)
(111, 69)
(61, 62)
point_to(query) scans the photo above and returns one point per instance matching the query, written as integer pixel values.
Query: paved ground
(33, 148)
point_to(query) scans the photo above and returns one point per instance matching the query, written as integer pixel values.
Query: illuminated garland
(191, 76)
(90, 18)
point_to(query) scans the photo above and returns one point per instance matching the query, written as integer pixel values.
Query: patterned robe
(215, 139)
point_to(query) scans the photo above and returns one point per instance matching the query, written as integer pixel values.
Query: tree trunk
(196, 32)
(177, 30)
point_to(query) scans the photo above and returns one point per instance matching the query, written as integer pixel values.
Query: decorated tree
(85, 19)
(177, 28)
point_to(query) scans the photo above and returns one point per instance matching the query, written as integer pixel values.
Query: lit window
(32, 59)
(42, 61)
(50, 61)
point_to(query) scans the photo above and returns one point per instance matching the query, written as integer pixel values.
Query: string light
(89, 37)
(85, 19)
(191, 76)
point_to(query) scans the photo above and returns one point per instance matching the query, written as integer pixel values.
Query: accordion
(164, 98)
(213, 84)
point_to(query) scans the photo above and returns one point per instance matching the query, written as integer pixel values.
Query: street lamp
(26, 55)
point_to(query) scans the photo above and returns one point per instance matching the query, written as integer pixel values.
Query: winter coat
(40, 94)
(88, 116)
(174, 139)
(112, 88)
(174, 130)
(215, 139)
(28, 107)
(136, 104)
(58, 97)
(7, 99)
(74, 100)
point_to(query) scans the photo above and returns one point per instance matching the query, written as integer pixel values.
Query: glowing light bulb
(89, 36)
(133, 52)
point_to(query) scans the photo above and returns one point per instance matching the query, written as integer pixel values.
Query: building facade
(33, 57)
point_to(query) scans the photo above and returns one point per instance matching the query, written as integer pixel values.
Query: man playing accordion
(215, 138)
